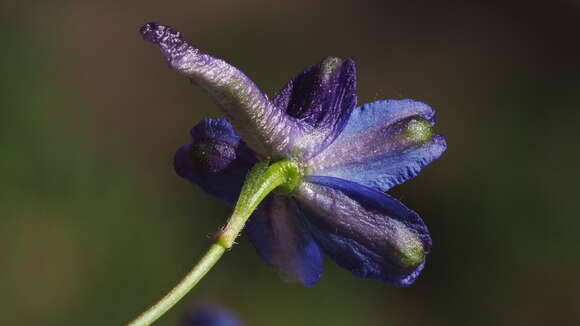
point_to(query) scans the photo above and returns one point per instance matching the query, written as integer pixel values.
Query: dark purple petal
(210, 316)
(279, 233)
(217, 159)
(263, 126)
(322, 97)
(384, 144)
(364, 230)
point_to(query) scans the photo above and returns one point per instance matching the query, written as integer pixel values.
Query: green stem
(262, 180)
(185, 285)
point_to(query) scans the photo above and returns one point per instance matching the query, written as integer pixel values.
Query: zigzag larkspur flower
(347, 157)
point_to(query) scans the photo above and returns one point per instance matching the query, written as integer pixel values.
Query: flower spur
(310, 168)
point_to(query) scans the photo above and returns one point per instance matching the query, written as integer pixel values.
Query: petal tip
(169, 40)
(158, 33)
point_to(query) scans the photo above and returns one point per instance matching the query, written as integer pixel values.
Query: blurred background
(95, 225)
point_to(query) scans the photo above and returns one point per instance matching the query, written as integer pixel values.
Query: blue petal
(322, 98)
(216, 160)
(279, 233)
(210, 316)
(363, 230)
(384, 144)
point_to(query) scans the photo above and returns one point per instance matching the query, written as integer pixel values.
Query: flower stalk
(264, 178)
(157, 310)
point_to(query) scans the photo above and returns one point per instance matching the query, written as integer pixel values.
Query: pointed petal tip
(169, 40)
(157, 33)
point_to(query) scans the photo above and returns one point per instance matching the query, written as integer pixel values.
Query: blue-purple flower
(210, 316)
(348, 158)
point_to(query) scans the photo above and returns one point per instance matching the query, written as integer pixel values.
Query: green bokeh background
(95, 225)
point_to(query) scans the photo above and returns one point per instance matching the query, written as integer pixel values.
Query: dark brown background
(95, 226)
